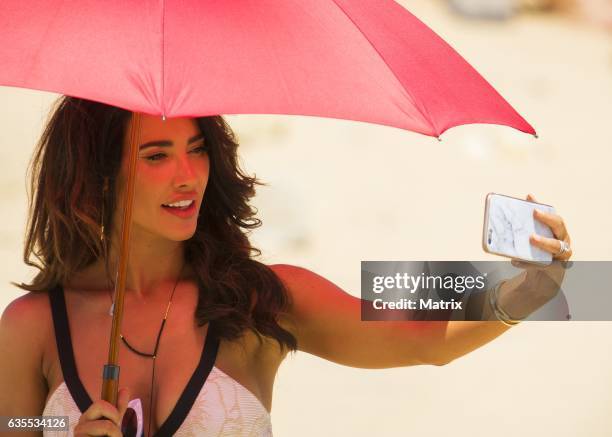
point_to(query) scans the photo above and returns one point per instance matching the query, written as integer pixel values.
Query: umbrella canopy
(365, 60)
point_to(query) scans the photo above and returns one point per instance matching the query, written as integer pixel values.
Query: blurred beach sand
(341, 192)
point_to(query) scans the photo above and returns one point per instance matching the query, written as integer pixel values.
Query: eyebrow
(168, 143)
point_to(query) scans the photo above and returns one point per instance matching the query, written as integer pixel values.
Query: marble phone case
(508, 222)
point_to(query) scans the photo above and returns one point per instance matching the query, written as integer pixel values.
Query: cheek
(150, 186)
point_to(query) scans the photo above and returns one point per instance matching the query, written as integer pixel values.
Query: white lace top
(212, 404)
(223, 408)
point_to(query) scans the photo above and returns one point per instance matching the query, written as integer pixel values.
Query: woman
(206, 326)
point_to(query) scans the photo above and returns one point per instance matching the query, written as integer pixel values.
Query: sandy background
(341, 192)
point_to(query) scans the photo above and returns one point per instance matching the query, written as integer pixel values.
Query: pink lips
(182, 213)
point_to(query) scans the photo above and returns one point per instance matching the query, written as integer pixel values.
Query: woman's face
(173, 166)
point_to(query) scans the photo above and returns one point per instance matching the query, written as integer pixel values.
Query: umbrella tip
(439, 139)
(536, 136)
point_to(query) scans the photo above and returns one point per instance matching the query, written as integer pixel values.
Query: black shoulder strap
(64, 349)
(195, 384)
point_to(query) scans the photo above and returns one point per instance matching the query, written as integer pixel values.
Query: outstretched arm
(327, 323)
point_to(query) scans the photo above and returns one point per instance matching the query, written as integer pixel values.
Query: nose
(185, 174)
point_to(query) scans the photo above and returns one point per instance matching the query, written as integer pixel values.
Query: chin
(181, 236)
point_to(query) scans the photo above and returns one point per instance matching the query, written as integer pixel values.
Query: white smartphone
(508, 223)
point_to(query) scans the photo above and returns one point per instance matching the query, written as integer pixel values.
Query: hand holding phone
(508, 224)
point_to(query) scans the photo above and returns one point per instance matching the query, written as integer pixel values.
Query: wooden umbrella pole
(110, 373)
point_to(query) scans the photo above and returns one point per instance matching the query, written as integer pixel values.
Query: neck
(154, 263)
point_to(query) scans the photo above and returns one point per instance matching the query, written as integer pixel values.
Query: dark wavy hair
(80, 147)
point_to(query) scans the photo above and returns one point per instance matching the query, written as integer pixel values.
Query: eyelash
(202, 149)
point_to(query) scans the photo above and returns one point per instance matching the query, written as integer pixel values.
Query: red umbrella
(366, 60)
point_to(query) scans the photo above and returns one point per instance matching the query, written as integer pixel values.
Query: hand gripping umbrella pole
(110, 373)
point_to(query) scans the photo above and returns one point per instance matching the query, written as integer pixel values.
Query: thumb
(123, 397)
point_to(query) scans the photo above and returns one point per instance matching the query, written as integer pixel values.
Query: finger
(123, 398)
(554, 221)
(531, 198)
(101, 409)
(97, 428)
(551, 245)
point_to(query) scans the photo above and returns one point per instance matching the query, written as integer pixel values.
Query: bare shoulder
(311, 296)
(306, 288)
(27, 317)
(289, 275)
(304, 319)
(294, 277)
(24, 328)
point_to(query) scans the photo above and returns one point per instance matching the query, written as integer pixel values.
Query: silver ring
(565, 247)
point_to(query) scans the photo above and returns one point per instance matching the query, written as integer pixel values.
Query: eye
(158, 156)
(201, 149)
(155, 157)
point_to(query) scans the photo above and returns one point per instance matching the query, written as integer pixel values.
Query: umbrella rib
(423, 111)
